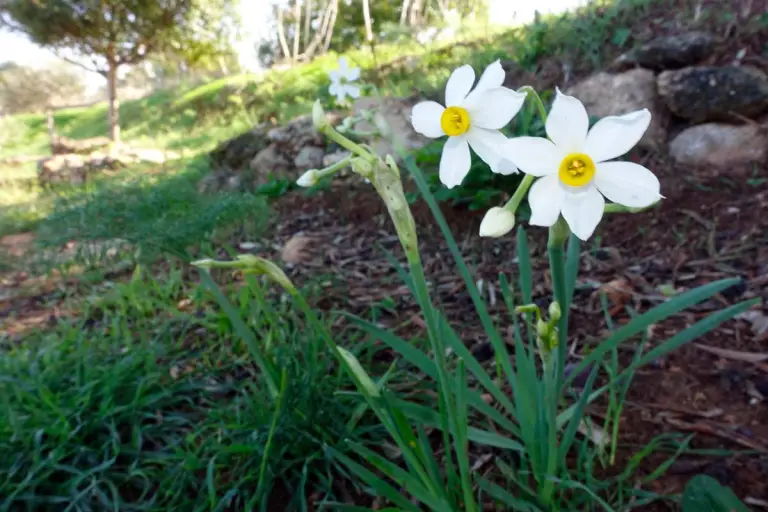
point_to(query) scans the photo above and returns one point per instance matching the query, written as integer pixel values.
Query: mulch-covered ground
(708, 227)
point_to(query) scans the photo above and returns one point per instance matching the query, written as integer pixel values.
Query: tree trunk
(307, 23)
(368, 22)
(114, 104)
(319, 37)
(296, 30)
(281, 34)
(332, 24)
(404, 11)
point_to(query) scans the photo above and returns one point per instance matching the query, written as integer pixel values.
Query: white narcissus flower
(497, 222)
(574, 169)
(342, 81)
(471, 119)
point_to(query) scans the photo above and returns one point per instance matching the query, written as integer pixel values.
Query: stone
(64, 146)
(269, 161)
(669, 52)
(297, 249)
(335, 157)
(714, 93)
(606, 94)
(237, 153)
(720, 145)
(396, 114)
(309, 157)
(62, 169)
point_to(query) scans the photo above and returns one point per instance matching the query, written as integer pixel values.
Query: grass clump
(145, 406)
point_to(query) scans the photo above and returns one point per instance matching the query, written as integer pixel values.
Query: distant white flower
(342, 81)
(471, 119)
(497, 222)
(574, 168)
(308, 179)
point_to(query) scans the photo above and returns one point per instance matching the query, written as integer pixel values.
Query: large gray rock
(309, 157)
(720, 145)
(606, 94)
(714, 93)
(670, 52)
(269, 161)
(237, 153)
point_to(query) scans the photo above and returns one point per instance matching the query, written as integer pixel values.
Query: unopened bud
(308, 179)
(542, 329)
(555, 312)
(318, 116)
(497, 222)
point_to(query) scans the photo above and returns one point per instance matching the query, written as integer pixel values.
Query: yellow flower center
(455, 121)
(576, 170)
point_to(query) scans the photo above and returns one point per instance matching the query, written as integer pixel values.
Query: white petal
(335, 76)
(583, 211)
(628, 184)
(497, 222)
(545, 198)
(337, 90)
(458, 85)
(567, 123)
(352, 90)
(343, 65)
(613, 136)
(425, 118)
(455, 162)
(487, 144)
(535, 155)
(495, 108)
(353, 74)
(492, 78)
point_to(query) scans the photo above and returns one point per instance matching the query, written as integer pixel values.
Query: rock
(269, 161)
(605, 94)
(62, 169)
(335, 157)
(237, 153)
(154, 156)
(64, 145)
(297, 250)
(714, 94)
(720, 145)
(309, 157)
(396, 113)
(670, 52)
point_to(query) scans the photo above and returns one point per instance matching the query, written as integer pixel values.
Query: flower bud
(497, 222)
(318, 116)
(542, 329)
(308, 179)
(555, 312)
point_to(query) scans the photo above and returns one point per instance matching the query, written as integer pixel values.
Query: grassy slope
(151, 400)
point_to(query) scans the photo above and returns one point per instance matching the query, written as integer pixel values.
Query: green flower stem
(346, 143)
(558, 234)
(333, 169)
(519, 194)
(528, 90)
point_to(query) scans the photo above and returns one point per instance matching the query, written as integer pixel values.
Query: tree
(24, 89)
(114, 33)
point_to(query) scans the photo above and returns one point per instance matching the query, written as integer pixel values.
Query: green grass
(141, 405)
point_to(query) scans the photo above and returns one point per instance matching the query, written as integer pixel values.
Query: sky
(16, 48)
